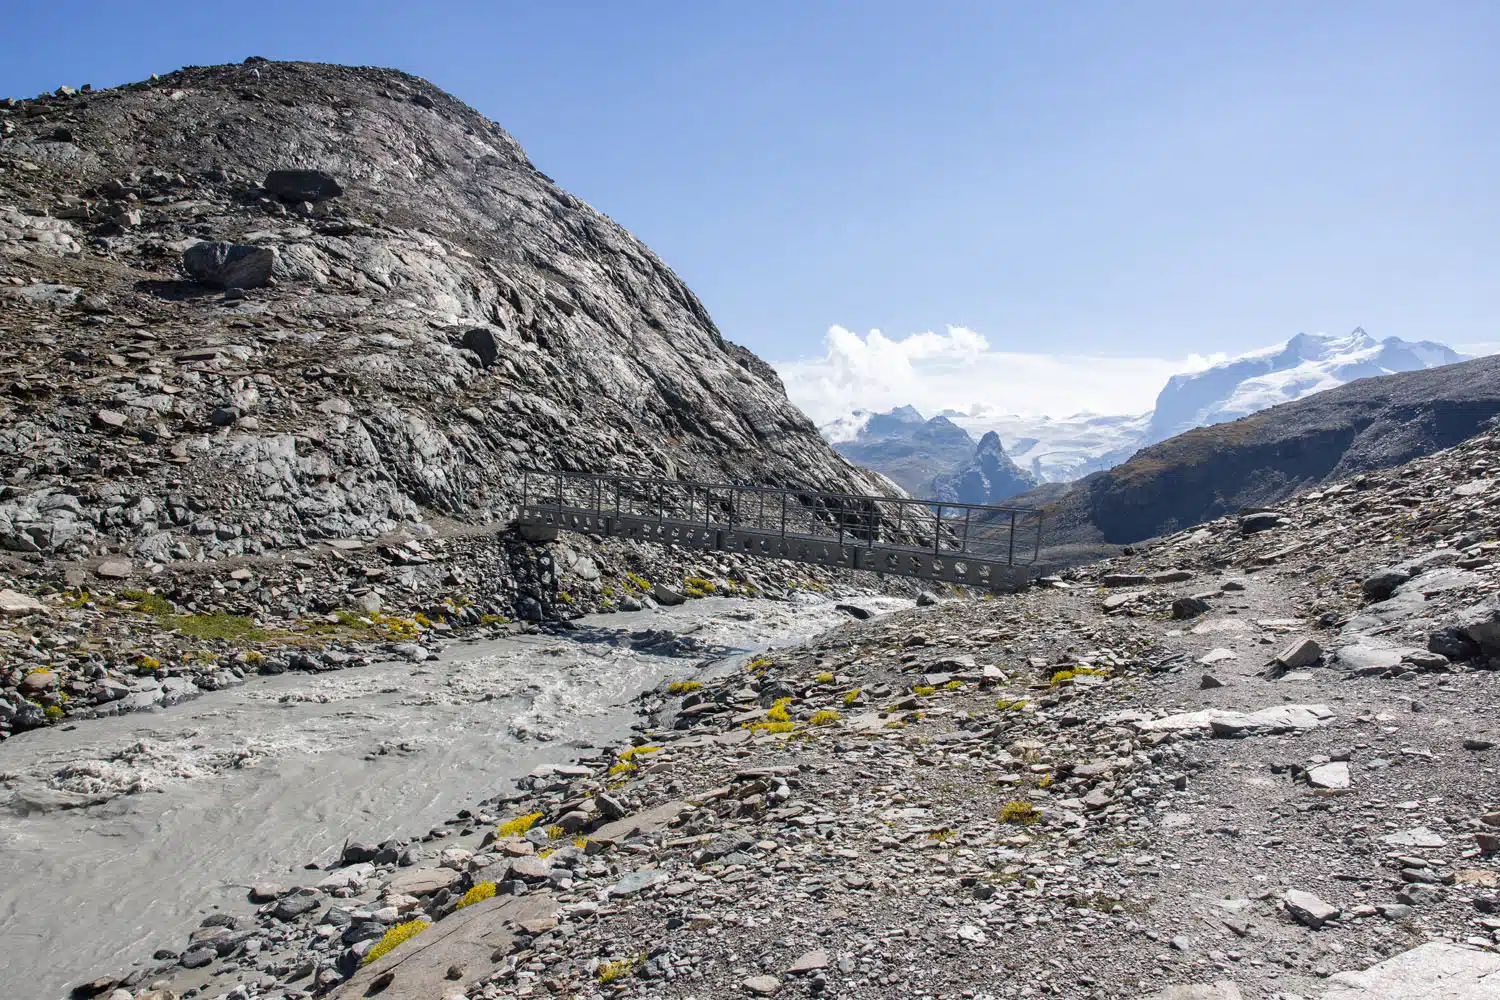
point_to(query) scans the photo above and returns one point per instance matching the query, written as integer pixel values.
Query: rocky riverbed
(120, 833)
(1254, 759)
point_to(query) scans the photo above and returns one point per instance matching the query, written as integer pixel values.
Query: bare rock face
(351, 394)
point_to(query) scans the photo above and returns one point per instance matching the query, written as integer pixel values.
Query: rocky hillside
(400, 312)
(1259, 460)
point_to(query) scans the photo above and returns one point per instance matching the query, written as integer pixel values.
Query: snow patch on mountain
(1306, 364)
(1064, 448)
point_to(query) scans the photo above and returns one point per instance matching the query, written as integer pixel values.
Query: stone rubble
(1025, 796)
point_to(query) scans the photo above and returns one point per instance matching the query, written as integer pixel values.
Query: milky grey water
(249, 784)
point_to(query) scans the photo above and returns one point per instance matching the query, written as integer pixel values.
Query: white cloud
(959, 370)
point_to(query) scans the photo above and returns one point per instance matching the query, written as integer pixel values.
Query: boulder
(295, 186)
(1383, 583)
(421, 881)
(229, 265)
(1252, 524)
(666, 595)
(1308, 909)
(16, 605)
(1188, 607)
(483, 342)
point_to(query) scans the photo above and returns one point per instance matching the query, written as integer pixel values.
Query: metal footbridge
(976, 545)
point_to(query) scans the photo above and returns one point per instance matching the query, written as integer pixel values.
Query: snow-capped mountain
(1306, 364)
(1060, 449)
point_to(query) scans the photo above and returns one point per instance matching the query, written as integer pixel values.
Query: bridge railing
(953, 530)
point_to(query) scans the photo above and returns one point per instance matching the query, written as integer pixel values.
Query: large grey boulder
(229, 265)
(302, 185)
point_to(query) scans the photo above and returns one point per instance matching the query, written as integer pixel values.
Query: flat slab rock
(1223, 722)
(422, 881)
(1436, 970)
(468, 940)
(1221, 990)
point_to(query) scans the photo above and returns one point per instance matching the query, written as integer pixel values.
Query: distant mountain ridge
(1305, 364)
(1258, 460)
(1063, 449)
(930, 458)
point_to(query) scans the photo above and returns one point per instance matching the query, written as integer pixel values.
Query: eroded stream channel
(117, 835)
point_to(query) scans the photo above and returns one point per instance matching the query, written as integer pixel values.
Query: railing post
(1010, 556)
(783, 513)
(1037, 553)
(968, 513)
(937, 531)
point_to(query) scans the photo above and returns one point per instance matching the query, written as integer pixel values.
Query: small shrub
(565, 597)
(610, 972)
(1019, 811)
(634, 752)
(1063, 676)
(478, 894)
(517, 826)
(395, 936)
(942, 836)
(1007, 705)
(825, 717)
(772, 727)
(953, 685)
(700, 584)
(555, 831)
(824, 678)
(148, 662)
(152, 603)
(623, 767)
(923, 690)
(851, 697)
(53, 712)
(778, 712)
(683, 687)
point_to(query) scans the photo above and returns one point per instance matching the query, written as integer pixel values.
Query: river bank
(120, 833)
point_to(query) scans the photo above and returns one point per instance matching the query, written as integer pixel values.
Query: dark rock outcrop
(990, 477)
(229, 265)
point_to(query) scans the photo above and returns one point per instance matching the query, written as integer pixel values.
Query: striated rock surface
(353, 395)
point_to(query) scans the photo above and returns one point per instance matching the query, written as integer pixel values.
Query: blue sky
(1142, 180)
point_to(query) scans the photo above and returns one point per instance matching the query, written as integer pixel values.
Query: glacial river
(195, 802)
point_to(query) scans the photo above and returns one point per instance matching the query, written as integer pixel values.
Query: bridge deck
(976, 545)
